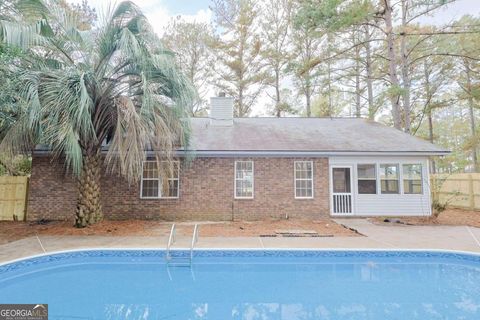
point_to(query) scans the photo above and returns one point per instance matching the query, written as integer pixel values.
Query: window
(152, 186)
(367, 179)
(244, 179)
(150, 181)
(412, 179)
(389, 178)
(303, 179)
(341, 180)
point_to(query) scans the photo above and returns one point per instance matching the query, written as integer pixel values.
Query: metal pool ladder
(180, 260)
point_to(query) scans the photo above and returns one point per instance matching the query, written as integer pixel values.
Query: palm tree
(113, 85)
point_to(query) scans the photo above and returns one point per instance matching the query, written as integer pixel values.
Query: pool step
(180, 260)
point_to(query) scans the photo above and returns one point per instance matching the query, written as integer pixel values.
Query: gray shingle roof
(337, 135)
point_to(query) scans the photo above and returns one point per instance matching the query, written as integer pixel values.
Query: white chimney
(221, 110)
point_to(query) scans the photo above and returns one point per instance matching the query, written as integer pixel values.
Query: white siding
(388, 204)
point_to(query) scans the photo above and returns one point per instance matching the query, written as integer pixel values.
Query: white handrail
(194, 240)
(171, 240)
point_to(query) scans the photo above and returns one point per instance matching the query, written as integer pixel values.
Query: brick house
(252, 168)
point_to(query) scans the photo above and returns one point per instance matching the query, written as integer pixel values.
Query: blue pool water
(224, 285)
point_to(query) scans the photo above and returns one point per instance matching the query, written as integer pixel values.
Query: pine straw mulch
(449, 217)
(14, 230)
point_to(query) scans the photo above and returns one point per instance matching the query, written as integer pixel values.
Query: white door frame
(351, 193)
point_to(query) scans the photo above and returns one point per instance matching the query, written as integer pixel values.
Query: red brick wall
(206, 193)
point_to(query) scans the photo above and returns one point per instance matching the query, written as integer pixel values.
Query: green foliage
(275, 31)
(394, 91)
(191, 42)
(287, 107)
(10, 102)
(17, 166)
(333, 15)
(451, 130)
(321, 106)
(115, 83)
(438, 207)
(241, 73)
(86, 14)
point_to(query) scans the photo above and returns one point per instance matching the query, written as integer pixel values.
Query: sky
(454, 11)
(159, 12)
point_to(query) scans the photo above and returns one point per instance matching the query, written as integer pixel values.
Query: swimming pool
(248, 284)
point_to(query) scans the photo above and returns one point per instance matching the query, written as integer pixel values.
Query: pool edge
(436, 250)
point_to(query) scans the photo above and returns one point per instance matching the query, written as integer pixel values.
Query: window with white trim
(152, 183)
(389, 176)
(303, 179)
(412, 179)
(244, 179)
(367, 179)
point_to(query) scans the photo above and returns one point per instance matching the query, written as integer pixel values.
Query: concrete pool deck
(461, 238)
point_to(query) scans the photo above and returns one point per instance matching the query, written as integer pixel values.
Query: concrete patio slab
(225, 243)
(460, 238)
(417, 237)
(20, 249)
(475, 232)
(322, 243)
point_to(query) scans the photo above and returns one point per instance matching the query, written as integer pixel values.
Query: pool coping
(471, 253)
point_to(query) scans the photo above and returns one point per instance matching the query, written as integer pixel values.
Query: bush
(18, 166)
(438, 207)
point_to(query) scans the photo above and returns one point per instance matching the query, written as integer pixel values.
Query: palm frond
(116, 84)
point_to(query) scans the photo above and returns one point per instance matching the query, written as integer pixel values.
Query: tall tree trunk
(277, 93)
(428, 108)
(329, 71)
(404, 68)
(240, 112)
(308, 55)
(433, 165)
(430, 125)
(472, 117)
(368, 69)
(358, 96)
(392, 66)
(240, 75)
(89, 208)
(308, 95)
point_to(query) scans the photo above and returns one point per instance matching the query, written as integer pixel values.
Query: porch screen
(412, 179)
(389, 178)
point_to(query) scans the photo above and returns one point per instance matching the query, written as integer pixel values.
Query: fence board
(13, 197)
(461, 190)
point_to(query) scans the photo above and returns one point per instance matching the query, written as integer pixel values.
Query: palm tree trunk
(89, 208)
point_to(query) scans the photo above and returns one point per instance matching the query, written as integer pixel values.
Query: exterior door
(341, 190)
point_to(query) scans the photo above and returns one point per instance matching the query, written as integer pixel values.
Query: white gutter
(202, 153)
(273, 154)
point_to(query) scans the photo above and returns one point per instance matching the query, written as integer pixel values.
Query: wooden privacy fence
(13, 197)
(460, 190)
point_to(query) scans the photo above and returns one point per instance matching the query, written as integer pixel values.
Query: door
(341, 190)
